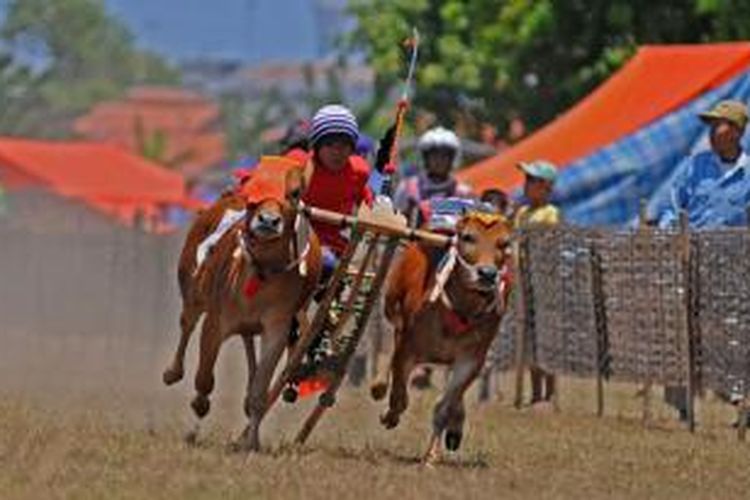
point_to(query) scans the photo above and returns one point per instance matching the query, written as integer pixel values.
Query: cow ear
(295, 184)
(250, 207)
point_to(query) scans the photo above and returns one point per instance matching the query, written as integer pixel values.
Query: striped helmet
(333, 119)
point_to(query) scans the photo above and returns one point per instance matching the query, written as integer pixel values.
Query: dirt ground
(89, 418)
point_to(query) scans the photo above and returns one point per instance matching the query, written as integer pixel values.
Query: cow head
(270, 222)
(483, 247)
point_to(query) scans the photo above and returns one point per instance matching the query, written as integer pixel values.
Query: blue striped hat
(333, 119)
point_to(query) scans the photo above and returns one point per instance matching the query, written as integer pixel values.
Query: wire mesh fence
(638, 306)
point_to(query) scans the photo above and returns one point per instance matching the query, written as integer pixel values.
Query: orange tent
(657, 80)
(106, 177)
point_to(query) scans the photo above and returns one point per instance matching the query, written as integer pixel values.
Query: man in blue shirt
(714, 188)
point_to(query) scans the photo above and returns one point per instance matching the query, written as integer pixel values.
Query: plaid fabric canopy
(606, 187)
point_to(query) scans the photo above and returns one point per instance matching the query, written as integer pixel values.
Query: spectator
(714, 191)
(712, 188)
(538, 211)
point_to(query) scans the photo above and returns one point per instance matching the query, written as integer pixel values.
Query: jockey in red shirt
(338, 181)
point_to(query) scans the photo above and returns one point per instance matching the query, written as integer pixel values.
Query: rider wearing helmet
(440, 150)
(338, 179)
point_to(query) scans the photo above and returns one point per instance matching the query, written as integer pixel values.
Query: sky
(252, 31)
(249, 30)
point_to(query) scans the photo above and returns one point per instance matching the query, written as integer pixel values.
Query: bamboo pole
(689, 322)
(648, 384)
(742, 419)
(523, 329)
(597, 293)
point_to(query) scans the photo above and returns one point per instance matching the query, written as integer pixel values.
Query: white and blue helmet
(333, 119)
(439, 138)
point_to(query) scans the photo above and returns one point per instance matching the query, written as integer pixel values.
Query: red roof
(104, 176)
(189, 122)
(657, 80)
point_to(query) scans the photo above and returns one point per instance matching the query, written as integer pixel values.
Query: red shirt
(340, 191)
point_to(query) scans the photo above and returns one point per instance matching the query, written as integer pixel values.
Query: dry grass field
(81, 419)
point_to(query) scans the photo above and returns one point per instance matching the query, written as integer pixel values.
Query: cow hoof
(389, 420)
(201, 405)
(290, 395)
(242, 446)
(172, 375)
(378, 390)
(453, 440)
(327, 400)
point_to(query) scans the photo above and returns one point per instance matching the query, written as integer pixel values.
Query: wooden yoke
(379, 222)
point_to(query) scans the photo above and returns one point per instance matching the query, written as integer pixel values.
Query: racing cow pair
(445, 306)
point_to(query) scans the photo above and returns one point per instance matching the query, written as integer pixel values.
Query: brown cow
(447, 315)
(193, 306)
(253, 282)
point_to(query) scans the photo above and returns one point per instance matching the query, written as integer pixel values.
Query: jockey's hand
(384, 148)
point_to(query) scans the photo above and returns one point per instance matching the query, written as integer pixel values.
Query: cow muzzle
(266, 224)
(487, 277)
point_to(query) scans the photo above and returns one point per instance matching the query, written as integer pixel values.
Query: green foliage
(19, 98)
(492, 60)
(86, 55)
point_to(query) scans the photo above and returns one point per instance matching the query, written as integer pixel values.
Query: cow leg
(204, 378)
(247, 340)
(448, 415)
(188, 318)
(273, 343)
(381, 375)
(401, 367)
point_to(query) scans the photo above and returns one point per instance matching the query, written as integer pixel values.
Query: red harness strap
(455, 323)
(252, 287)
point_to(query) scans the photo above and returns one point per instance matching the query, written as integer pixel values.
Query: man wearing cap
(714, 190)
(711, 177)
(538, 211)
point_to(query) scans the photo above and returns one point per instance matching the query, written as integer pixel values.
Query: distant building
(172, 126)
(295, 82)
(78, 186)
